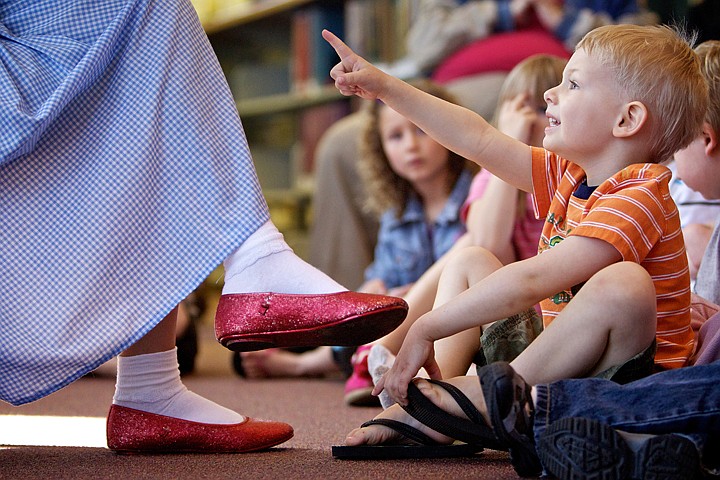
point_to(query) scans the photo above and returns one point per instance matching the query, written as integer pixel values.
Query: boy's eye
(572, 84)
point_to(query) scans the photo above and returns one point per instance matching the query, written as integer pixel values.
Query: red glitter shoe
(135, 431)
(254, 321)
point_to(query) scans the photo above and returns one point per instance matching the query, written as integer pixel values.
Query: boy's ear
(710, 139)
(633, 117)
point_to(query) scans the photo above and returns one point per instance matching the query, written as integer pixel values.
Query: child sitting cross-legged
(612, 274)
(499, 218)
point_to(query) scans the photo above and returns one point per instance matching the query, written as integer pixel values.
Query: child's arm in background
(457, 128)
(492, 218)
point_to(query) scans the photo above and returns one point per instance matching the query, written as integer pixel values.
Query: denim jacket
(407, 246)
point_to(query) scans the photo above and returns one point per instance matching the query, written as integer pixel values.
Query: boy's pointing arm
(456, 127)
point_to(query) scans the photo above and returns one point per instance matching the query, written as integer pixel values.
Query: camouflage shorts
(507, 338)
(639, 366)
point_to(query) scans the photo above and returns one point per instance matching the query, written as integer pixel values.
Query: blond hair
(655, 65)
(709, 54)
(386, 189)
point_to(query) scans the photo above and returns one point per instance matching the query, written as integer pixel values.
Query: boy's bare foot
(378, 434)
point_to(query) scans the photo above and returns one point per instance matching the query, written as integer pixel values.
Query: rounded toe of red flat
(135, 431)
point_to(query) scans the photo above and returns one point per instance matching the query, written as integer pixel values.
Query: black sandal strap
(429, 414)
(511, 413)
(403, 429)
(462, 400)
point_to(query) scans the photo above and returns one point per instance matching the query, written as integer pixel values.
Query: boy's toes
(370, 435)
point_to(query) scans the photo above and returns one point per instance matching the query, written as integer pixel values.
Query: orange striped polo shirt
(633, 211)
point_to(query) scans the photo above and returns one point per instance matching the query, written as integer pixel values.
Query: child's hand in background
(518, 119)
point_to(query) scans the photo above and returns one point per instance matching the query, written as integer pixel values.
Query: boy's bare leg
(611, 319)
(461, 266)
(455, 354)
(421, 296)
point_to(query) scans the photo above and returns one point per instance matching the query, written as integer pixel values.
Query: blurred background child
(499, 218)
(417, 187)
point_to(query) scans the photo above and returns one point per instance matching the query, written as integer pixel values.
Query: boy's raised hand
(354, 75)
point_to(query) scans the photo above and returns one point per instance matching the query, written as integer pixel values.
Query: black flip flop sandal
(473, 430)
(419, 446)
(511, 411)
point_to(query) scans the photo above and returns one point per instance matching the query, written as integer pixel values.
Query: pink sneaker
(359, 387)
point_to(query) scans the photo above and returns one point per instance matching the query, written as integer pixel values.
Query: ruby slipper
(255, 321)
(135, 431)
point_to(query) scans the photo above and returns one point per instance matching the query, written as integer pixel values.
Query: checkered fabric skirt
(125, 179)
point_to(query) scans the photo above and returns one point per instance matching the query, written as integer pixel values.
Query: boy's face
(698, 170)
(582, 110)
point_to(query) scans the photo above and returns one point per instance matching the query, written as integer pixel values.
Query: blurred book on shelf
(312, 57)
(313, 123)
(278, 68)
(287, 50)
(377, 29)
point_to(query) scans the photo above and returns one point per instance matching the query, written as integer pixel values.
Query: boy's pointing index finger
(340, 48)
(353, 75)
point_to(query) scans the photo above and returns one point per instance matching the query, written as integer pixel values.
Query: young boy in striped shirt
(612, 274)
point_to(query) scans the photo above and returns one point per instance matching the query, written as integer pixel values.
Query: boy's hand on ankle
(415, 352)
(354, 75)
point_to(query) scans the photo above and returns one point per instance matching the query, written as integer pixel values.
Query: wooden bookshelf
(277, 66)
(244, 12)
(289, 102)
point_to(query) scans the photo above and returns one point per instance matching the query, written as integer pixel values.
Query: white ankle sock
(265, 263)
(151, 383)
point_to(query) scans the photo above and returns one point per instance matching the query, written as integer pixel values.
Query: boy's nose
(548, 96)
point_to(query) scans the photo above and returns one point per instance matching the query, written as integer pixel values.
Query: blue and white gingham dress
(125, 179)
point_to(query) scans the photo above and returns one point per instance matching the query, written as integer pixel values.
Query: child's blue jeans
(682, 401)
